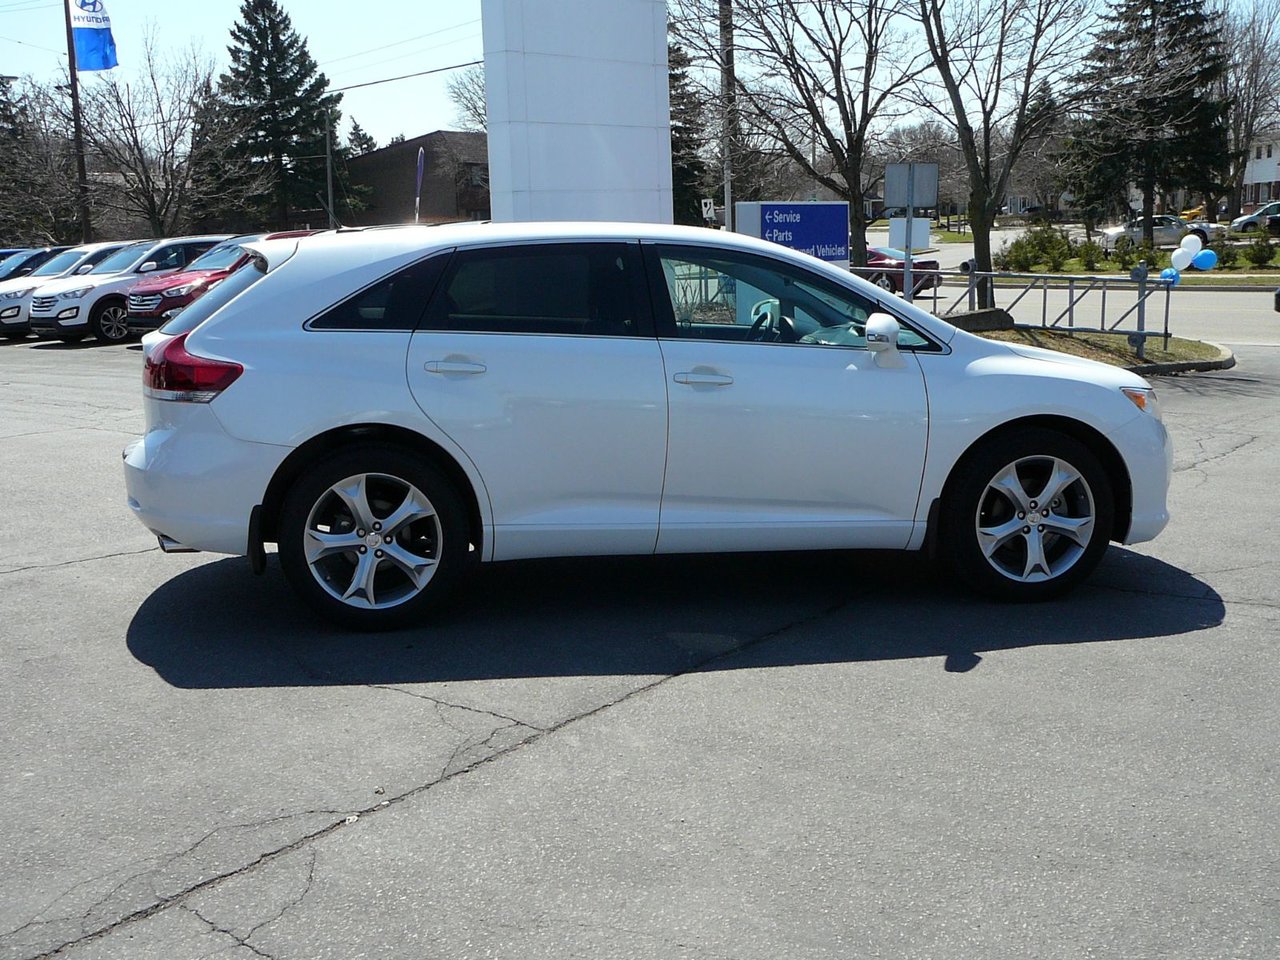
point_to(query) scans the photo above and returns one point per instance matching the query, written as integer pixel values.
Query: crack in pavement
(214, 928)
(209, 883)
(455, 706)
(68, 563)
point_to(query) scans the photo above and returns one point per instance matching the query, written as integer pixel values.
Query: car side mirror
(148, 267)
(882, 340)
(83, 268)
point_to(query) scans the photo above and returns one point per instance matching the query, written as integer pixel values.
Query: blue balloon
(1205, 260)
(1170, 274)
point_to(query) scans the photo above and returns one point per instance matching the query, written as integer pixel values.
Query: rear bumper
(196, 486)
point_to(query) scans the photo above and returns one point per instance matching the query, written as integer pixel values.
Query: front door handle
(708, 379)
(453, 366)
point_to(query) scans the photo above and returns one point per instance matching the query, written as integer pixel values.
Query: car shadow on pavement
(217, 626)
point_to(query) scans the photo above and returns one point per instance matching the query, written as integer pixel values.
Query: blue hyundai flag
(91, 29)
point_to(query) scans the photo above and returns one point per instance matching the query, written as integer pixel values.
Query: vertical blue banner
(91, 31)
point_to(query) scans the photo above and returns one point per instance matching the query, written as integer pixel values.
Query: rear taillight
(174, 374)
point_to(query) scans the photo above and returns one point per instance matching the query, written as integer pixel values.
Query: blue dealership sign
(819, 229)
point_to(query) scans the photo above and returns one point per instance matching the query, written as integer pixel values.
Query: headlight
(181, 291)
(1144, 398)
(17, 294)
(75, 294)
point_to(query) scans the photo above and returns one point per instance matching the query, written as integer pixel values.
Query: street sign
(820, 229)
(708, 209)
(911, 185)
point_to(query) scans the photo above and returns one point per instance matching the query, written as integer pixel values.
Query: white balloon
(1191, 242)
(1181, 258)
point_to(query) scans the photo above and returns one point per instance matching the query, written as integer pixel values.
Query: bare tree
(141, 137)
(817, 78)
(466, 90)
(1251, 37)
(38, 199)
(994, 67)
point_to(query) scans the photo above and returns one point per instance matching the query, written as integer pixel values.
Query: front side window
(573, 289)
(724, 295)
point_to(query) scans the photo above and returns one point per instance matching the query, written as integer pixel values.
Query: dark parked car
(24, 261)
(885, 268)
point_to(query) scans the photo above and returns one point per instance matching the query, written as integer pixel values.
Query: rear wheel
(885, 282)
(1027, 515)
(373, 537)
(110, 321)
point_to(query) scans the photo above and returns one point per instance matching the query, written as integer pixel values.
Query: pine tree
(688, 171)
(1152, 110)
(274, 82)
(359, 141)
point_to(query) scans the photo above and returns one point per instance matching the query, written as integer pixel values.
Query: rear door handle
(709, 379)
(453, 366)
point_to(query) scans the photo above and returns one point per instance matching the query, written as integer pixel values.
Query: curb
(1225, 361)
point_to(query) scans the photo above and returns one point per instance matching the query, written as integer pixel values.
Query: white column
(579, 114)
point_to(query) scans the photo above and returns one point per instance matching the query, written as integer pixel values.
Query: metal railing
(1093, 304)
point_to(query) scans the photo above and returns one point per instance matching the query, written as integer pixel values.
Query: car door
(539, 361)
(784, 431)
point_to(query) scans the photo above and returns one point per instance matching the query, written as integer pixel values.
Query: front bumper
(1144, 444)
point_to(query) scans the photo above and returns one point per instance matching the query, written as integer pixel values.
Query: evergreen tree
(1152, 111)
(360, 142)
(274, 84)
(688, 171)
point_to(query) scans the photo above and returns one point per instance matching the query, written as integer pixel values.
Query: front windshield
(121, 259)
(221, 257)
(63, 261)
(891, 253)
(14, 263)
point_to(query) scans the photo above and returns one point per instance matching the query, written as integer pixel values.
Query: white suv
(72, 308)
(390, 405)
(15, 295)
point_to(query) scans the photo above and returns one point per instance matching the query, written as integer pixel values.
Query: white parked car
(15, 295)
(391, 405)
(1166, 231)
(72, 308)
(1256, 220)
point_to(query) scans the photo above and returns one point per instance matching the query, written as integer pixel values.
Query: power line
(421, 73)
(402, 56)
(398, 43)
(36, 46)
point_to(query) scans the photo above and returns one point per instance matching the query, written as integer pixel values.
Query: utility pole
(82, 175)
(728, 104)
(328, 167)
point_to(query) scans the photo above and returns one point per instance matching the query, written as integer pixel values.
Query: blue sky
(352, 42)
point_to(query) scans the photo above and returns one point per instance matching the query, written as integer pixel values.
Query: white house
(1261, 175)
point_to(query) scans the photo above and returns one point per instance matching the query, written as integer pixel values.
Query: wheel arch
(1098, 444)
(323, 444)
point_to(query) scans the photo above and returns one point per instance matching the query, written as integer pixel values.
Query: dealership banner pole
(77, 133)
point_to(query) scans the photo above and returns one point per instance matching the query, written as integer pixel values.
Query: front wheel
(110, 322)
(373, 537)
(885, 282)
(1027, 515)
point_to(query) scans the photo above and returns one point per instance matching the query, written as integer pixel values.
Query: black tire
(1203, 237)
(989, 542)
(886, 282)
(109, 321)
(392, 477)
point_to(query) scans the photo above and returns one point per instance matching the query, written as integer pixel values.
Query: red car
(152, 302)
(885, 269)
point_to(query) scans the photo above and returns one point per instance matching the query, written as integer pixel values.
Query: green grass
(1112, 348)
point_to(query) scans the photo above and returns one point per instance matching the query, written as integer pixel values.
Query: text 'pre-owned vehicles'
(390, 405)
(152, 301)
(15, 294)
(72, 308)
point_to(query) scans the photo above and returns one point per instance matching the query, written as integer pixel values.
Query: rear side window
(217, 297)
(571, 289)
(393, 303)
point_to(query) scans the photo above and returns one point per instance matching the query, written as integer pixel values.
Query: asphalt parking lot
(823, 755)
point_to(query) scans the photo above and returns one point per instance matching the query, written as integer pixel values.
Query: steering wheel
(763, 320)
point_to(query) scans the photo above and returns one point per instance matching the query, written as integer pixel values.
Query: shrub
(1090, 254)
(1260, 252)
(1124, 253)
(1155, 258)
(1228, 253)
(1019, 256)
